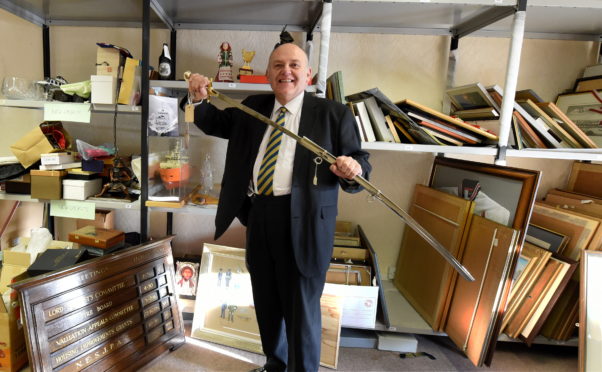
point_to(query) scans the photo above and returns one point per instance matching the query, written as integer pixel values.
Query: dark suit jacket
(313, 207)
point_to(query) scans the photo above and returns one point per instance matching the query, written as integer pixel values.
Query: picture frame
(513, 189)
(471, 96)
(564, 121)
(585, 178)
(224, 311)
(186, 273)
(546, 238)
(584, 109)
(590, 313)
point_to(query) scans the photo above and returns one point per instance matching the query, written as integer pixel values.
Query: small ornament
(224, 58)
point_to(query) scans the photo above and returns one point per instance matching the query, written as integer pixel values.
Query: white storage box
(57, 158)
(103, 89)
(359, 304)
(81, 189)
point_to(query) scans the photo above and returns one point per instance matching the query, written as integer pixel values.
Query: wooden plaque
(114, 312)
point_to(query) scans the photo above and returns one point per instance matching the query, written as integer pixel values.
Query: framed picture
(546, 238)
(506, 194)
(472, 96)
(584, 109)
(224, 312)
(585, 179)
(590, 313)
(186, 282)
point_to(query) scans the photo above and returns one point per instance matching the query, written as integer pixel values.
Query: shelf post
(143, 121)
(516, 43)
(324, 47)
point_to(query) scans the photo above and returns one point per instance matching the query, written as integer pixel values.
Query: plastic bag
(88, 151)
(39, 242)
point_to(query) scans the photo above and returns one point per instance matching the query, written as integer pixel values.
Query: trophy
(247, 56)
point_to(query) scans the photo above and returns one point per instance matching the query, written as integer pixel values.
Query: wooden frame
(584, 109)
(471, 96)
(546, 238)
(565, 138)
(585, 178)
(235, 324)
(557, 114)
(590, 314)
(514, 189)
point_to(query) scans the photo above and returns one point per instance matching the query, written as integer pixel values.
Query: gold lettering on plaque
(153, 322)
(55, 311)
(149, 286)
(106, 305)
(151, 297)
(77, 334)
(165, 302)
(162, 280)
(152, 310)
(168, 326)
(91, 342)
(147, 274)
(166, 314)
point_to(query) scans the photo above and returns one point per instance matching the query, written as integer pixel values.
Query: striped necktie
(268, 164)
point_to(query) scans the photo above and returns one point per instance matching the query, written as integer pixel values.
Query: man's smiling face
(288, 72)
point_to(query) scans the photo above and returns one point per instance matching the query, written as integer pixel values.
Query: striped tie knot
(265, 178)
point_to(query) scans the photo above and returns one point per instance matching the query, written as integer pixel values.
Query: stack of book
(379, 119)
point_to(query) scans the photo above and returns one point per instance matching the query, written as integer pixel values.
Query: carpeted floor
(197, 355)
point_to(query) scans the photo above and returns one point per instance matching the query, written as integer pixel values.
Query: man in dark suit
(287, 198)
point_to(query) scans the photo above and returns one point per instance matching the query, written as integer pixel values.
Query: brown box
(47, 184)
(108, 61)
(97, 237)
(103, 218)
(20, 185)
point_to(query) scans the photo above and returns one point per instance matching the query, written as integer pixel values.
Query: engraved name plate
(114, 312)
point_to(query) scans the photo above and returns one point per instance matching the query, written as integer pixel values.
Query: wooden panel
(422, 275)
(586, 178)
(476, 306)
(116, 311)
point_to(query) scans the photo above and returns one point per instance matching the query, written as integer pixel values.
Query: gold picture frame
(225, 314)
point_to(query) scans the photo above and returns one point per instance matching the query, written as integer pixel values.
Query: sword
(369, 187)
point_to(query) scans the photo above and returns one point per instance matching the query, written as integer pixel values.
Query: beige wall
(402, 66)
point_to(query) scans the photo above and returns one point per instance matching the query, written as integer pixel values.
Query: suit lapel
(306, 127)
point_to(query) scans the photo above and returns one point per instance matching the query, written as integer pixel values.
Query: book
(381, 130)
(360, 128)
(444, 128)
(334, 87)
(360, 108)
(594, 70)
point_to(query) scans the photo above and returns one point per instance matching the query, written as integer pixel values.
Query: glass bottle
(165, 64)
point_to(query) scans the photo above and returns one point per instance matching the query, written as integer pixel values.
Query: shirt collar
(293, 106)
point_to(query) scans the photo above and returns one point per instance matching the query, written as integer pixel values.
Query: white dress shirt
(283, 172)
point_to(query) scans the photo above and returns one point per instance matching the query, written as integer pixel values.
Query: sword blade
(369, 187)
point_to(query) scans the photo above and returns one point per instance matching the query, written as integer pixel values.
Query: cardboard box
(129, 92)
(49, 136)
(108, 61)
(81, 189)
(13, 350)
(47, 184)
(97, 237)
(104, 219)
(103, 89)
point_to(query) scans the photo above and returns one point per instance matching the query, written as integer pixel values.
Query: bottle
(165, 64)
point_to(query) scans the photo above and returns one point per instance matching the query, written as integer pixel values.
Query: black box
(56, 259)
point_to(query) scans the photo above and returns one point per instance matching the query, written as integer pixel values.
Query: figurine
(224, 58)
(247, 57)
(120, 179)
